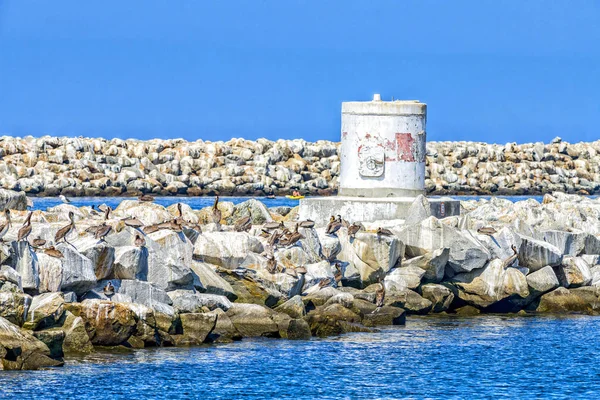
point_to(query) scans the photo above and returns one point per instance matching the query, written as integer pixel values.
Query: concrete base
(365, 209)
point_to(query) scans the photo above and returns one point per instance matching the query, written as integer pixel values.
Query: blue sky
(495, 71)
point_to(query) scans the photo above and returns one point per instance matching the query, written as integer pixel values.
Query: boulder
(100, 253)
(332, 320)
(130, 290)
(188, 301)
(45, 311)
(253, 320)
(408, 300)
(258, 212)
(563, 300)
(107, 323)
(224, 330)
(226, 249)
(50, 273)
(78, 273)
(10, 278)
(320, 297)
(385, 316)
(399, 279)
(419, 210)
(440, 296)
(542, 281)
(466, 253)
(211, 281)
(53, 338)
(20, 350)
(147, 212)
(131, 262)
(25, 262)
(330, 245)
(433, 263)
(573, 272)
(568, 243)
(166, 272)
(249, 288)
(294, 329)
(11, 200)
(294, 307)
(176, 244)
(196, 328)
(14, 307)
(536, 254)
(76, 338)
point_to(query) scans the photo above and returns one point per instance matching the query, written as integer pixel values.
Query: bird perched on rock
(325, 282)
(133, 222)
(107, 212)
(291, 238)
(38, 242)
(274, 239)
(334, 225)
(146, 198)
(102, 231)
(216, 213)
(307, 224)
(109, 289)
(63, 232)
(139, 240)
(384, 232)
(53, 252)
(273, 225)
(25, 229)
(354, 228)
(301, 270)
(338, 273)
(511, 260)
(487, 230)
(271, 263)
(379, 296)
(244, 224)
(64, 199)
(5, 226)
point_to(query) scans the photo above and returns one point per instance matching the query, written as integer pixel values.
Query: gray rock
(187, 301)
(419, 210)
(574, 272)
(294, 307)
(542, 281)
(568, 243)
(226, 249)
(440, 296)
(78, 271)
(144, 293)
(399, 279)
(535, 254)
(434, 264)
(14, 306)
(12, 200)
(131, 262)
(211, 281)
(25, 262)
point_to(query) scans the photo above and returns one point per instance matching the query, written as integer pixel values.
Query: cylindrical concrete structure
(383, 148)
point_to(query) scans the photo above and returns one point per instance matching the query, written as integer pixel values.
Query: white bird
(64, 199)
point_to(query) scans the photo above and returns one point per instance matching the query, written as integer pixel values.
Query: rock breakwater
(144, 275)
(49, 166)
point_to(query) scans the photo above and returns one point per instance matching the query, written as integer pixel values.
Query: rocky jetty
(144, 275)
(49, 166)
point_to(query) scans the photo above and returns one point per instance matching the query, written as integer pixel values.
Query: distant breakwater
(49, 166)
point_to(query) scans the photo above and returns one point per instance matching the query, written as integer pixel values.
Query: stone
(568, 243)
(196, 328)
(211, 281)
(50, 273)
(12, 200)
(331, 320)
(320, 297)
(542, 281)
(53, 338)
(295, 329)
(176, 244)
(258, 212)
(131, 262)
(409, 300)
(466, 253)
(25, 262)
(187, 301)
(385, 316)
(20, 350)
(253, 320)
(330, 245)
(294, 307)
(10, 275)
(14, 307)
(100, 253)
(130, 290)
(76, 338)
(563, 300)
(78, 273)
(45, 311)
(107, 323)
(536, 254)
(224, 330)
(399, 279)
(467, 311)
(226, 249)
(345, 299)
(147, 212)
(419, 210)
(573, 272)
(433, 263)
(440, 296)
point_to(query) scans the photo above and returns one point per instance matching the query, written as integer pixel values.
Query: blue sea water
(485, 357)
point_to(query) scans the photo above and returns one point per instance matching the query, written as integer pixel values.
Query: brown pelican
(487, 230)
(338, 275)
(301, 270)
(4, 227)
(64, 231)
(291, 238)
(384, 232)
(25, 229)
(273, 225)
(511, 260)
(271, 264)
(274, 239)
(107, 212)
(139, 240)
(146, 198)
(39, 242)
(133, 222)
(109, 289)
(325, 282)
(380, 296)
(52, 252)
(102, 231)
(245, 223)
(264, 234)
(334, 225)
(354, 228)
(216, 213)
(307, 224)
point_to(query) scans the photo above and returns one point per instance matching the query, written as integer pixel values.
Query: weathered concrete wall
(96, 167)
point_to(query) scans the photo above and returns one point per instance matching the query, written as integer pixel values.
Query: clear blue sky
(495, 71)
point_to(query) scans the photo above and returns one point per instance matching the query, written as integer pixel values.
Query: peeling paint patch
(405, 147)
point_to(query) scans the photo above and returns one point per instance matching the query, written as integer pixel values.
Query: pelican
(301, 270)
(334, 225)
(271, 264)
(146, 197)
(338, 275)
(354, 228)
(216, 213)
(273, 225)
(139, 240)
(379, 296)
(384, 232)
(53, 252)
(307, 224)
(64, 231)
(4, 227)
(274, 239)
(291, 238)
(64, 199)
(109, 289)
(245, 223)
(487, 230)
(133, 222)
(39, 242)
(25, 229)
(107, 211)
(511, 260)
(102, 231)
(325, 282)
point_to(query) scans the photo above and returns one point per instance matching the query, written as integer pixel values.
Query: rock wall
(49, 166)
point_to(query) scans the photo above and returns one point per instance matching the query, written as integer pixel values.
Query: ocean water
(42, 203)
(485, 357)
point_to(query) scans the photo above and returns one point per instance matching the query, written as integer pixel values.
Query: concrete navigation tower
(382, 158)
